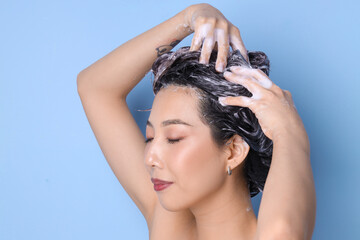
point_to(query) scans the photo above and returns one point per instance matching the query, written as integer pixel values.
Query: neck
(227, 214)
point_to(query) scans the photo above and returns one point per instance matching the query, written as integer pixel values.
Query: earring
(229, 170)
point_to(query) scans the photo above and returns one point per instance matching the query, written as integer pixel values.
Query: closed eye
(171, 141)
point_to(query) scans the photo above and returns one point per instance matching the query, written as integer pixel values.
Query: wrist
(188, 18)
(292, 136)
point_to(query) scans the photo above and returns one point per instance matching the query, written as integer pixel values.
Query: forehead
(175, 102)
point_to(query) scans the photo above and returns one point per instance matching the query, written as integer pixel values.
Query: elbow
(79, 80)
(80, 84)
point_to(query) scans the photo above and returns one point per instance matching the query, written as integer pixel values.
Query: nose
(151, 158)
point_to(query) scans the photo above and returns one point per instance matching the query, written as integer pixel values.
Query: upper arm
(281, 230)
(122, 144)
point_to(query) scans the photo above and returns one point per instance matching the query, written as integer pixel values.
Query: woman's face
(194, 164)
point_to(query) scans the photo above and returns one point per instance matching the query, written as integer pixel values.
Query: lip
(160, 184)
(159, 187)
(159, 181)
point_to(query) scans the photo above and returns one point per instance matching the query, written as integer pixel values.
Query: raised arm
(103, 87)
(289, 192)
(120, 71)
(288, 205)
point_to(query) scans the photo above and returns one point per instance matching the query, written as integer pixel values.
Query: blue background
(54, 180)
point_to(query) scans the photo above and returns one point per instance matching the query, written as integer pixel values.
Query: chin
(172, 202)
(172, 206)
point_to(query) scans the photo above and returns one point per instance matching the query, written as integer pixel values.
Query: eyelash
(171, 141)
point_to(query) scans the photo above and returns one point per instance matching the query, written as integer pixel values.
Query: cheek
(196, 165)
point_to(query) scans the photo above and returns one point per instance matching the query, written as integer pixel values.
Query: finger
(201, 33)
(247, 81)
(237, 43)
(259, 75)
(196, 42)
(206, 50)
(241, 101)
(223, 42)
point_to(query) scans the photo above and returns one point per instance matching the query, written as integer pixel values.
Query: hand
(273, 107)
(210, 26)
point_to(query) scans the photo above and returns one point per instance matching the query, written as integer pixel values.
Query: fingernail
(222, 101)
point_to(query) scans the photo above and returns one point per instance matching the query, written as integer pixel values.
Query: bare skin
(220, 204)
(194, 211)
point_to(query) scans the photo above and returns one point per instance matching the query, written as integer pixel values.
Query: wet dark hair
(182, 68)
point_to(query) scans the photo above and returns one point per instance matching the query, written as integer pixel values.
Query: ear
(237, 150)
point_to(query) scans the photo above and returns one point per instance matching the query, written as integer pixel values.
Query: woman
(209, 183)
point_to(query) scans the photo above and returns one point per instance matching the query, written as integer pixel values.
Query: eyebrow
(169, 122)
